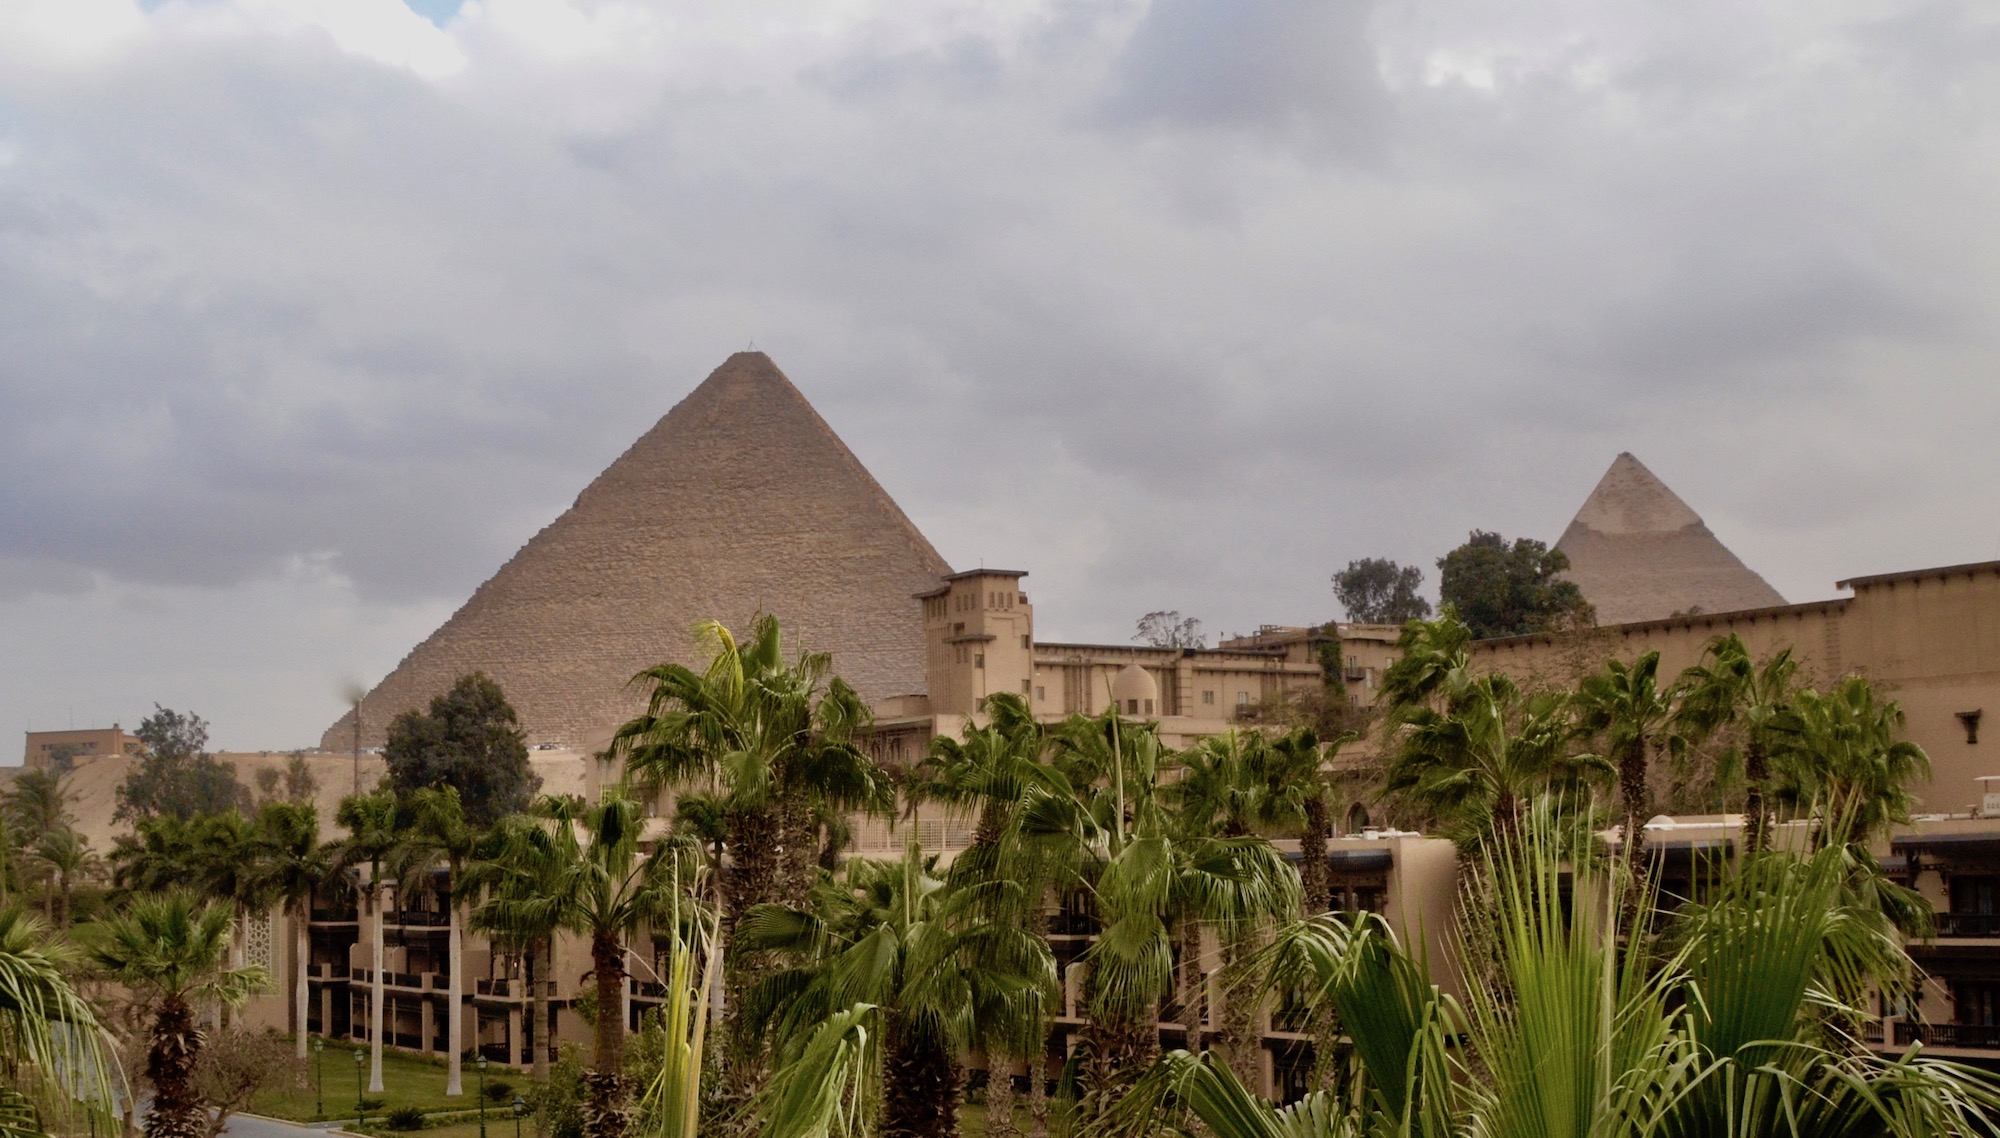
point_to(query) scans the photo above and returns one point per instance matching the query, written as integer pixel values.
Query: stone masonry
(741, 500)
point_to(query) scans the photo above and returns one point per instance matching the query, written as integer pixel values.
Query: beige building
(44, 747)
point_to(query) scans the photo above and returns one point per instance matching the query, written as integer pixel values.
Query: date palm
(1628, 708)
(942, 980)
(1839, 756)
(172, 951)
(521, 857)
(65, 855)
(374, 830)
(292, 865)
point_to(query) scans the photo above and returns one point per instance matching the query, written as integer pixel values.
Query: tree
(439, 831)
(521, 858)
(37, 805)
(1728, 689)
(171, 951)
(66, 856)
(1627, 708)
(301, 785)
(1840, 759)
(775, 741)
(291, 864)
(942, 980)
(603, 886)
(1166, 628)
(175, 775)
(470, 739)
(237, 1063)
(1377, 591)
(374, 829)
(49, 1035)
(1502, 590)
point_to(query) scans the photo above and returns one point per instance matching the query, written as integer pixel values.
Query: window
(1149, 707)
(1041, 693)
(979, 661)
(1025, 685)
(1243, 699)
(1208, 697)
(1024, 640)
(1131, 707)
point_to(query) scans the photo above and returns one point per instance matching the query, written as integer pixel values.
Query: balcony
(648, 990)
(1961, 925)
(1979, 1036)
(327, 973)
(417, 919)
(497, 989)
(506, 989)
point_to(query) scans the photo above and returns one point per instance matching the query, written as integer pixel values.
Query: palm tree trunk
(540, 992)
(1755, 772)
(1314, 873)
(177, 1110)
(605, 1114)
(1632, 795)
(999, 1095)
(375, 991)
(1187, 980)
(920, 1084)
(454, 1083)
(301, 949)
(1240, 1043)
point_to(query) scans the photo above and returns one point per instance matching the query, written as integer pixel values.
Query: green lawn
(407, 1080)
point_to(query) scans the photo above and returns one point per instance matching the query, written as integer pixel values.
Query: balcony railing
(335, 916)
(1971, 1035)
(505, 989)
(418, 918)
(1968, 925)
(649, 990)
(402, 980)
(323, 971)
(502, 989)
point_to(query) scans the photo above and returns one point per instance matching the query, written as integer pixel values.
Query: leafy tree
(1502, 590)
(470, 739)
(62, 756)
(175, 775)
(237, 1063)
(301, 785)
(1378, 591)
(171, 951)
(1166, 628)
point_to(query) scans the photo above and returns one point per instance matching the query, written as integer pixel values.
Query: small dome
(1135, 691)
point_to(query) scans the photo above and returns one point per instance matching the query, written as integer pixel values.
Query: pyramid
(1639, 553)
(741, 500)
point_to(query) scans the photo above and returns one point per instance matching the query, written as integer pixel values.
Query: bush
(405, 1118)
(371, 1105)
(499, 1090)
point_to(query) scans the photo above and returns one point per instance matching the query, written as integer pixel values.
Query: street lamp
(481, 1063)
(520, 1108)
(360, 1107)
(319, 1075)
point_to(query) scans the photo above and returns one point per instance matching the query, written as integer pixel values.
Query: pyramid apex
(1632, 499)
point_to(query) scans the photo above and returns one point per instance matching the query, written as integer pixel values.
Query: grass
(407, 1080)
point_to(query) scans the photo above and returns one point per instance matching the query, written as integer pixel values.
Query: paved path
(251, 1126)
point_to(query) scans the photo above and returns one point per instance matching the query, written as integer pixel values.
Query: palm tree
(1727, 688)
(942, 980)
(65, 853)
(37, 804)
(438, 831)
(1712, 1028)
(172, 951)
(520, 857)
(292, 865)
(374, 829)
(604, 886)
(1298, 797)
(774, 742)
(1626, 705)
(1839, 755)
(1145, 875)
(49, 1035)
(1474, 763)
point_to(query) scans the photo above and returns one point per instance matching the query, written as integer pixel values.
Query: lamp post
(360, 1107)
(481, 1063)
(520, 1108)
(319, 1077)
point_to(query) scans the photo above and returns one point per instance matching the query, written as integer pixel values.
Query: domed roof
(1135, 690)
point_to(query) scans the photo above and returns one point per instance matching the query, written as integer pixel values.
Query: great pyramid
(741, 500)
(1639, 553)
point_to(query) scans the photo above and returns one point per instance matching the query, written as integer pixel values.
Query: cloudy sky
(311, 311)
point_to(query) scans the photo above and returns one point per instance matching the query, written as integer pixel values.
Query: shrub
(499, 1090)
(371, 1105)
(405, 1118)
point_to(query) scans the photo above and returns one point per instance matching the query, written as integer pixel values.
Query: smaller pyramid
(1640, 553)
